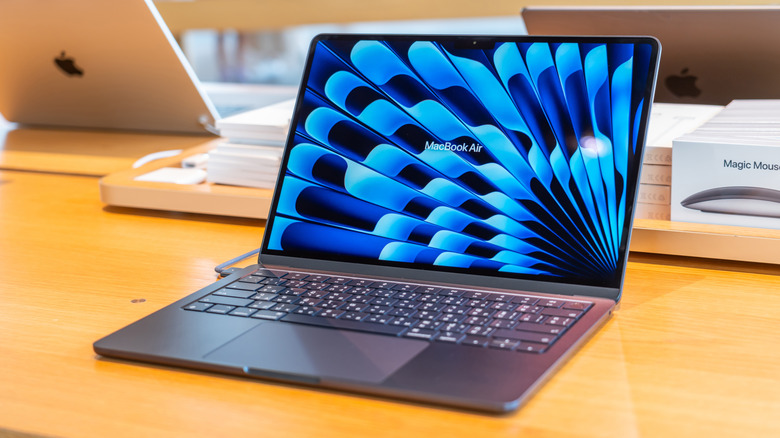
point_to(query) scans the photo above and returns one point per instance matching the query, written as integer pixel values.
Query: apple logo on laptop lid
(683, 85)
(68, 65)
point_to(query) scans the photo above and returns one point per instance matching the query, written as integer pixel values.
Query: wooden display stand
(650, 236)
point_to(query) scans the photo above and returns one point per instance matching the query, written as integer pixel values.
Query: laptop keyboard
(437, 314)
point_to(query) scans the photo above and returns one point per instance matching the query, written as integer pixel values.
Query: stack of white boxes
(252, 153)
(667, 122)
(726, 171)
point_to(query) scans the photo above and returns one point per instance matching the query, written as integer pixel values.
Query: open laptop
(451, 220)
(99, 64)
(712, 54)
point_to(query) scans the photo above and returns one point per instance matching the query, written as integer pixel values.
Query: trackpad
(307, 353)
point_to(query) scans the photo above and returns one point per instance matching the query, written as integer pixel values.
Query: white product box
(657, 174)
(652, 211)
(726, 181)
(654, 194)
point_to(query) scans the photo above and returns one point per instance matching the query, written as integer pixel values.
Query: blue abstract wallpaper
(519, 160)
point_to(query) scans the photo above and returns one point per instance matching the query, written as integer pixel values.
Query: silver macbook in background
(97, 64)
(712, 54)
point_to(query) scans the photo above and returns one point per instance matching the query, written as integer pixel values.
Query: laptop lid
(96, 64)
(712, 54)
(488, 161)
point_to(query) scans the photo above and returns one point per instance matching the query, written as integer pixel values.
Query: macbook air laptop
(712, 54)
(98, 64)
(451, 221)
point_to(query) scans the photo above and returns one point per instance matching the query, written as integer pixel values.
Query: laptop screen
(515, 157)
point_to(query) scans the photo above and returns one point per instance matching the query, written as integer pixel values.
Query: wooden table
(692, 351)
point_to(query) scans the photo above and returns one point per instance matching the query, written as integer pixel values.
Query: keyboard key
(220, 308)
(382, 293)
(476, 295)
(539, 328)
(287, 308)
(242, 311)
(312, 302)
(402, 312)
(451, 318)
(451, 337)
(502, 324)
(559, 321)
(420, 333)
(530, 317)
(531, 347)
(262, 305)
(345, 324)
(244, 286)
(503, 305)
(550, 303)
(360, 282)
(541, 338)
(502, 298)
(198, 307)
(476, 341)
(286, 299)
(525, 300)
(383, 285)
(355, 316)
(479, 331)
(331, 313)
(268, 314)
(504, 344)
(428, 324)
(576, 305)
(406, 296)
(381, 301)
(454, 327)
(510, 316)
(228, 301)
(404, 321)
(235, 293)
(428, 290)
(264, 296)
(338, 288)
(295, 291)
(453, 301)
(298, 284)
(317, 286)
(331, 304)
(307, 310)
(430, 299)
(270, 288)
(527, 308)
(562, 313)
(452, 292)
(294, 276)
(338, 280)
(355, 307)
(314, 294)
(339, 296)
(478, 311)
(252, 279)
(379, 319)
(378, 310)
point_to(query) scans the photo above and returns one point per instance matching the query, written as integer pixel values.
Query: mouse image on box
(743, 200)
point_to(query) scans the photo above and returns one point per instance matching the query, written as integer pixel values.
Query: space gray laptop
(712, 54)
(451, 221)
(98, 64)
